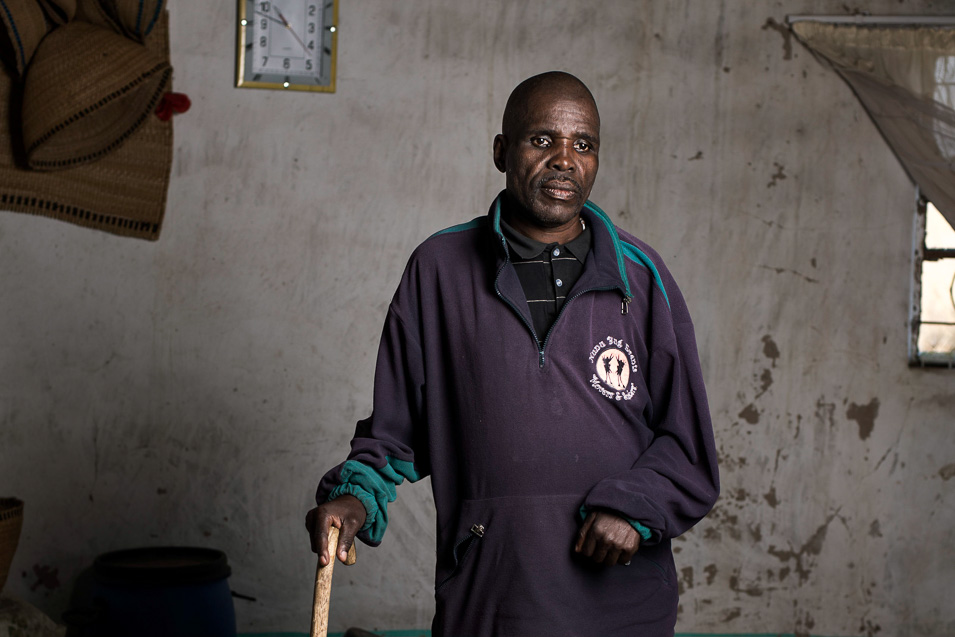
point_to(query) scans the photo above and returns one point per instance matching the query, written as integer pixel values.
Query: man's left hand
(607, 538)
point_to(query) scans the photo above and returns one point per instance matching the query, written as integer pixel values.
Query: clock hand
(291, 30)
(272, 18)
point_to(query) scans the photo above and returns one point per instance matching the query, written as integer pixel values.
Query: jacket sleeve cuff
(644, 532)
(375, 488)
(367, 500)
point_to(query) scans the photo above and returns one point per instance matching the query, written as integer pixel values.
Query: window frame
(920, 254)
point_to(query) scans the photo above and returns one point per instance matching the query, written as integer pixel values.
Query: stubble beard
(545, 212)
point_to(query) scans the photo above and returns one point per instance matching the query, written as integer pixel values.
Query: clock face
(287, 44)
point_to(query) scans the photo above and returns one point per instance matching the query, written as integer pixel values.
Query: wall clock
(287, 44)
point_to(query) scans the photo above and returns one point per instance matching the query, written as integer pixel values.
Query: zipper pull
(625, 305)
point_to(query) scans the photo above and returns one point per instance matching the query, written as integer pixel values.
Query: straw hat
(24, 26)
(59, 11)
(87, 91)
(134, 19)
(88, 125)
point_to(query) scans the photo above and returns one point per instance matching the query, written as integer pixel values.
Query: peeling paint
(753, 590)
(875, 529)
(698, 155)
(865, 416)
(779, 175)
(686, 579)
(770, 497)
(766, 381)
(770, 349)
(784, 31)
(750, 414)
(711, 572)
(812, 547)
(947, 472)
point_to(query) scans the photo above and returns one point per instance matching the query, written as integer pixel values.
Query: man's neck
(561, 234)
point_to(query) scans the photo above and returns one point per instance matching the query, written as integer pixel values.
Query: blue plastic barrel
(158, 592)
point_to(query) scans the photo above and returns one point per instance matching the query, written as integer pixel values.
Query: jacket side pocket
(461, 550)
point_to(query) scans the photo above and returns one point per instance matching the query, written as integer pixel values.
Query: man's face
(550, 158)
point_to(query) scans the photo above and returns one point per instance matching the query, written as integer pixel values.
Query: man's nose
(563, 158)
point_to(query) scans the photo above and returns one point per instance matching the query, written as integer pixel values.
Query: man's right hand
(345, 512)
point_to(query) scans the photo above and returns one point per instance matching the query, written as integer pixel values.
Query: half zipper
(624, 303)
(507, 259)
(541, 347)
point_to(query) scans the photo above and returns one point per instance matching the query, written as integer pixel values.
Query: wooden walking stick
(323, 584)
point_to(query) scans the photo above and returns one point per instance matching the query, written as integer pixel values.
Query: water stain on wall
(865, 416)
(825, 412)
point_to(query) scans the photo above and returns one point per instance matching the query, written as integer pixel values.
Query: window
(932, 319)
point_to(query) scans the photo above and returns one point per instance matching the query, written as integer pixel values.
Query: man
(558, 480)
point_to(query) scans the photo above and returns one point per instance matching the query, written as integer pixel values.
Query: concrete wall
(192, 391)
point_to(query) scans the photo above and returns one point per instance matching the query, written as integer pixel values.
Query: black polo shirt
(547, 272)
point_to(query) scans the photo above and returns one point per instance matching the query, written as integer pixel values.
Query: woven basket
(11, 518)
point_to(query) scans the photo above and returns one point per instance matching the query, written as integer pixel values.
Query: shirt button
(559, 282)
(556, 252)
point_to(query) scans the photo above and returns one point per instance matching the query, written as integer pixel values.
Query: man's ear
(500, 150)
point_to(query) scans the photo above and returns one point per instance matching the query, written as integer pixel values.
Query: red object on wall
(172, 103)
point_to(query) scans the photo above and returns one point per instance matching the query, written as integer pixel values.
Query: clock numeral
(311, 44)
(308, 65)
(265, 60)
(265, 6)
(312, 9)
(311, 27)
(264, 24)
(286, 63)
(263, 42)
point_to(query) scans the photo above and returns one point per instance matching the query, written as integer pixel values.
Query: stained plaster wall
(192, 391)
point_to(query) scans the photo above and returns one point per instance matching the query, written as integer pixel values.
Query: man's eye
(582, 146)
(541, 142)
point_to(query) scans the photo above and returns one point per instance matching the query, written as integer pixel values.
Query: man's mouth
(563, 189)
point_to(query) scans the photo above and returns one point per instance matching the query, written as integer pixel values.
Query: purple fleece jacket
(519, 440)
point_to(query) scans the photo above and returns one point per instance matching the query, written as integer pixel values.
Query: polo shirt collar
(527, 248)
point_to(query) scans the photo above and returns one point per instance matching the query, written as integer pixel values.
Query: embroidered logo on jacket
(613, 363)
